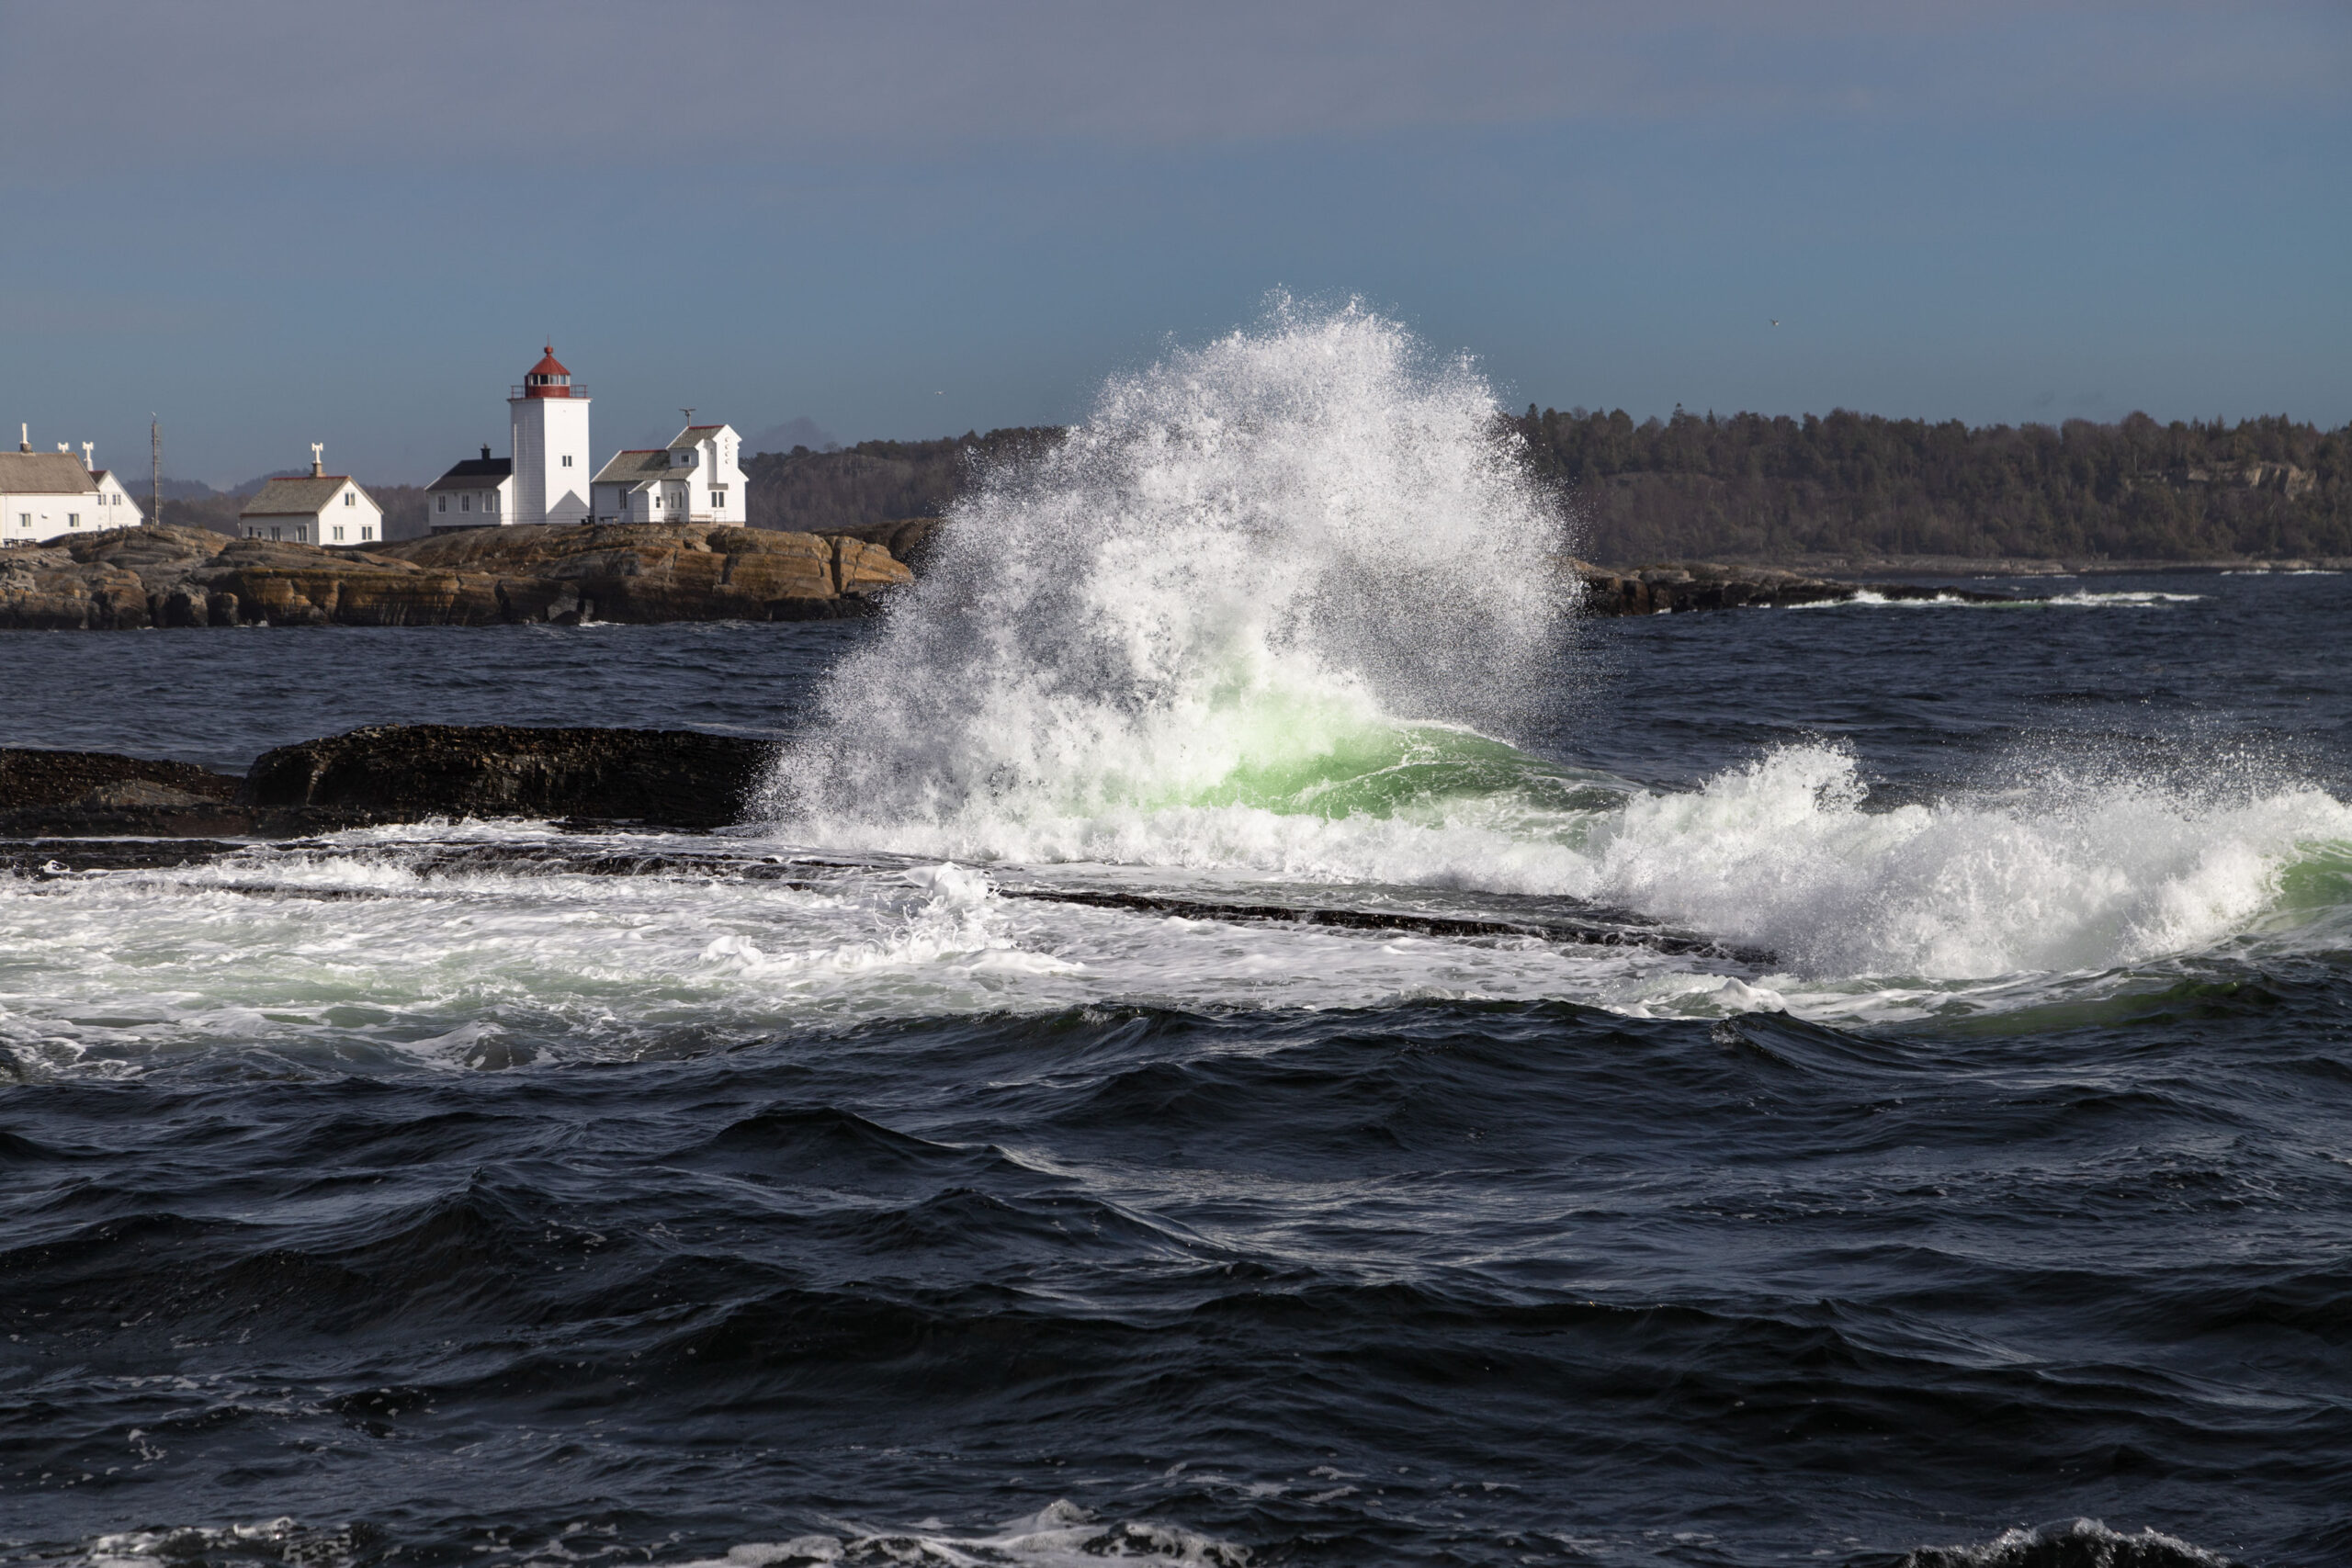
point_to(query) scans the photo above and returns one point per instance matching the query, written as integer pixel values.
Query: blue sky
(276, 223)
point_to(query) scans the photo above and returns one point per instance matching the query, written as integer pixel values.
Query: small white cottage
(476, 493)
(323, 508)
(50, 495)
(693, 480)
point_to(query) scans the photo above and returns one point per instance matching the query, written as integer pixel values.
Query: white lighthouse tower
(551, 434)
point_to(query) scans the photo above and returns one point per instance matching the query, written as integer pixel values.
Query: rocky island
(125, 578)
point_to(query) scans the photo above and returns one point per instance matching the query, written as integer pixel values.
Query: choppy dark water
(1144, 1270)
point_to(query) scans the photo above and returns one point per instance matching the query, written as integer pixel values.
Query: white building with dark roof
(693, 480)
(50, 495)
(476, 493)
(320, 509)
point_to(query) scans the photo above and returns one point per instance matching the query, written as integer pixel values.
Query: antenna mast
(154, 470)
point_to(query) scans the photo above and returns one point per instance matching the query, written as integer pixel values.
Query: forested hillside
(874, 481)
(1755, 488)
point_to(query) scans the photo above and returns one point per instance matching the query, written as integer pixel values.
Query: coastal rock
(383, 774)
(35, 778)
(160, 576)
(1705, 585)
(80, 794)
(410, 772)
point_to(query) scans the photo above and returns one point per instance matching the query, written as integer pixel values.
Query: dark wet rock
(385, 774)
(1705, 585)
(97, 794)
(37, 778)
(411, 772)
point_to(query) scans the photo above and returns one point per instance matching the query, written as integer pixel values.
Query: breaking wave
(1272, 610)
(1258, 564)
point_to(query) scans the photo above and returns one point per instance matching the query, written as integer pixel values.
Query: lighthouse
(550, 418)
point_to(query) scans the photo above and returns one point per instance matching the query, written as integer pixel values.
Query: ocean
(1242, 1031)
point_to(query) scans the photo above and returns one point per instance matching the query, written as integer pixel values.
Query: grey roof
(303, 497)
(44, 473)
(635, 468)
(692, 434)
(474, 473)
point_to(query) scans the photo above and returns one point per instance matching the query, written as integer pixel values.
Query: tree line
(1758, 487)
(875, 481)
(1761, 488)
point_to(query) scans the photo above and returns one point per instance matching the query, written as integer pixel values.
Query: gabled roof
(639, 466)
(690, 437)
(44, 473)
(474, 473)
(303, 497)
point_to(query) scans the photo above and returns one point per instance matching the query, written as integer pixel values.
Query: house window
(349, 499)
(72, 519)
(23, 519)
(719, 498)
(301, 533)
(273, 532)
(490, 502)
(338, 533)
(444, 505)
(567, 459)
(365, 533)
(465, 503)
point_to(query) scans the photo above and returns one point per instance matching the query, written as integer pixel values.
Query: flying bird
(1776, 320)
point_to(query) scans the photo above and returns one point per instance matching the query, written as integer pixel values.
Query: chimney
(318, 460)
(485, 451)
(24, 438)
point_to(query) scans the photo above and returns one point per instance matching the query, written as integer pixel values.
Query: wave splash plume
(1294, 548)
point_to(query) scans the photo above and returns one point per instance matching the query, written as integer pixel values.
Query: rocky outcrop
(79, 793)
(1702, 585)
(389, 774)
(62, 778)
(406, 772)
(129, 578)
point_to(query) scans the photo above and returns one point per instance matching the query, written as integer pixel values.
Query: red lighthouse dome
(548, 378)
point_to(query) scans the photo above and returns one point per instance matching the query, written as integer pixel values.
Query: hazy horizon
(903, 221)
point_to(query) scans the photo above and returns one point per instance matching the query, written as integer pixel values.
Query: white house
(323, 508)
(476, 493)
(693, 480)
(549, 417)
(46, 495)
